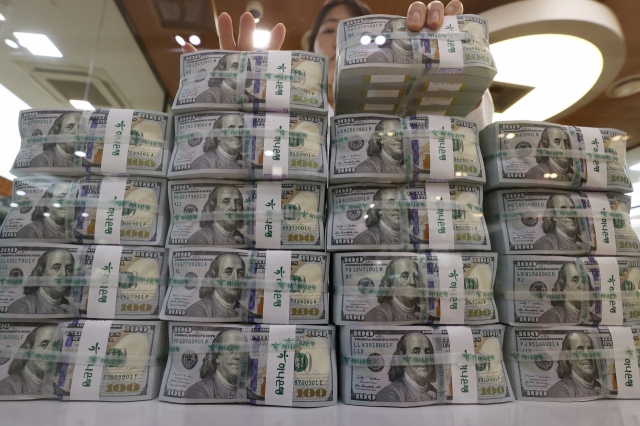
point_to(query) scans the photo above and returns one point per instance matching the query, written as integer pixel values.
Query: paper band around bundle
(276, 148)
(108, 220)
(276, 301)
(280, 365)
(269, 227)
(94, 339)
(105, 269)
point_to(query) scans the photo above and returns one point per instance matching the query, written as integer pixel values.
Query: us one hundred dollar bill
(547, 221)
(39, 281)
(389, 149)
(406, 288)
(225, 213)
(66, 210)
(397, 217)
(408, 366)
(530, 154)
(573, 363)
(222, 364)
(553, 290)
(228, 145)
(238, 81)
(225, 285)
(70, 142)
(122, 363)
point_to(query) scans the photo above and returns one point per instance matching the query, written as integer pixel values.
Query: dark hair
(41, 265)
(545, 142)
(210, 206)
(390, 274)
(373, 214)
(356, 7)
(208, 369)
(561, 283)
(211, 142)
(564, 365)
(396, 372)
(375, 143)
(222, 65)
(57, 126)
(548, 225)
(18, 364)
(39, 210)
(214, 270)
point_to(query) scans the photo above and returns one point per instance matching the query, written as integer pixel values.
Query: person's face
(59, 264)
(418, 344)
(227, 363)
(232, 144)
(400, 26)
(325, 42)
(584, 368)
(58, 214)
(48, 340)
(233, 62)
(389, 211)
(70, 124)
(559, 139)
(391, 141)
(572, 282)
(229, 200)
(231, 268)
(405, 276)
(568, 225)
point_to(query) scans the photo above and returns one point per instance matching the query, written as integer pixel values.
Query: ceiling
(156, 36)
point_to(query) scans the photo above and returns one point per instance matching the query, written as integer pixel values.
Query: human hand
(245, 34)
(433, 13)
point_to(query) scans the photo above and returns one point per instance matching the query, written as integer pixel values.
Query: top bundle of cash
(91, 210)
(555, 290)
(111, 142)
(404, 149)
(284, 365)
(41, 280)
(408, 217)
(409, 366)
(529, 154)
(572, 363)
(277, 81)
(382, 67)
(547, 221)
(81, 360)
(249, 146)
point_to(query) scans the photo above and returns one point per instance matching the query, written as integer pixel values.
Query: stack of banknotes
(381, 67)
(90, 210)
(243, 81)
(369, 147)
(115, 361)
(260, 364)
(529, 154)
(72, 142)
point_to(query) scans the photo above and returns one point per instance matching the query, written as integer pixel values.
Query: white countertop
(152, 413)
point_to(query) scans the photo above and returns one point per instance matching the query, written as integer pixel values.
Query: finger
(225, 32)
(245, 33)
(455, 7)
(188, 48)
(435, 14)
(416, 16)
(277, 37)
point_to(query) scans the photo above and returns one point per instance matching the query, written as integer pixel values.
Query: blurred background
(125, 54)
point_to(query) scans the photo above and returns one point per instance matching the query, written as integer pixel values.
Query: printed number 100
(311, 393)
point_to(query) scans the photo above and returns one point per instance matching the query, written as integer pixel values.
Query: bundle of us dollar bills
(389, 149)
(530, 154)
(115, 361)
(414, 288)
(72, 142)
(408, 366)
(225, 285)
(273, 215)
(409, 217)
(572, 363)
(382, 67)
(558, 290)
(278, 81)
(236, 145)
(39, 280)
(547, 221)
(90, 210)
(259, 364)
